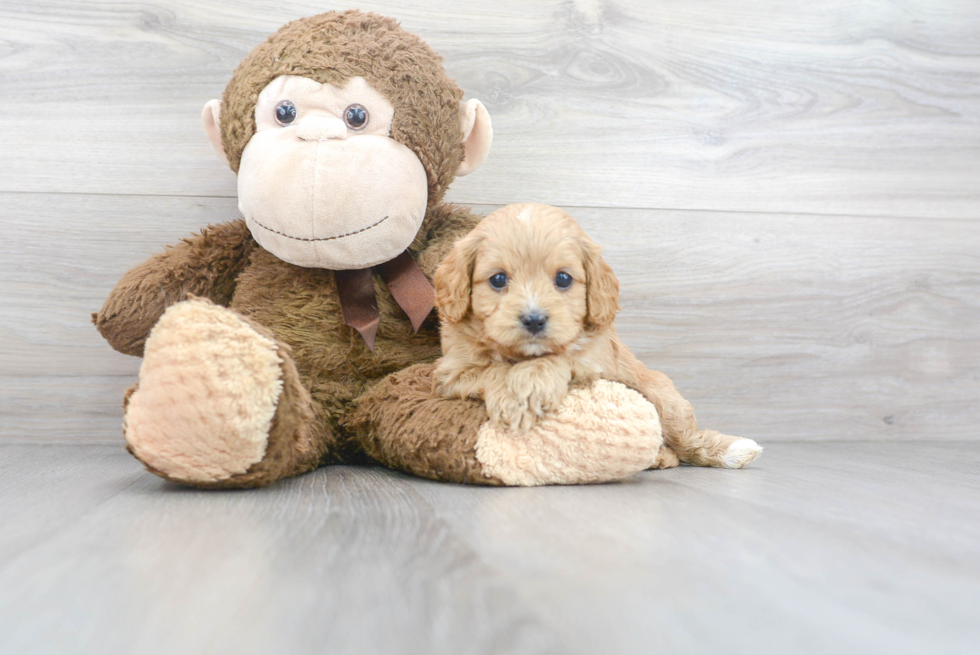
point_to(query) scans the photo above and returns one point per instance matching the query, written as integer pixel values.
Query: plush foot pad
(740, 454)
(602, 432)
(208, 389)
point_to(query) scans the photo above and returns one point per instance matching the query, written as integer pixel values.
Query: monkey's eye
(563, 280)
(285, 112)
(356, 117)
(498, 281)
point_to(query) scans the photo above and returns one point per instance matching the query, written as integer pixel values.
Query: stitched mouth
(333, 238)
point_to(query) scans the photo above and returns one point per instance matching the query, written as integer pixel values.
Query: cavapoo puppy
(527, 307)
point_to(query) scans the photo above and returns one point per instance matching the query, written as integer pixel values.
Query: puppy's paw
(539, 398)
(508, 410)
(543, 382)
(536, 392)
(666, 459)
(446, 381)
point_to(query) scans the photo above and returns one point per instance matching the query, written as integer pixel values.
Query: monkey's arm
(205, 265)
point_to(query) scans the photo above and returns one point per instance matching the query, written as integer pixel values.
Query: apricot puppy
(527, 307)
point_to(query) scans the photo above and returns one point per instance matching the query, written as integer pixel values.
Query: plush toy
(302, 334)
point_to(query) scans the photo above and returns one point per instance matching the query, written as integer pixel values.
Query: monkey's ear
(477, 135)
(602, 287)
(454, 279)
(211, 117)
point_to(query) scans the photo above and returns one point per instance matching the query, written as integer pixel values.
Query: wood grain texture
(776, 327)
(818, 548)
(836, 107)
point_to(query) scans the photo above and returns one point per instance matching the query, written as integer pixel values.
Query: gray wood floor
(820, 548)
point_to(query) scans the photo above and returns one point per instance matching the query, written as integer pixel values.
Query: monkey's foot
(208, 390)
(601, 432)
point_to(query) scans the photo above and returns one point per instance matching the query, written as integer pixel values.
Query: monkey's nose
(535, 322)
(320, 128)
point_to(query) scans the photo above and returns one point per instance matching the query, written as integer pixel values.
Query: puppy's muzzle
(534, 322)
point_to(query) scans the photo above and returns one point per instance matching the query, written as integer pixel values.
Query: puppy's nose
(535, 322)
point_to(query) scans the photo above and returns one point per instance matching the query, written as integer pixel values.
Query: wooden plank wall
(789, 191)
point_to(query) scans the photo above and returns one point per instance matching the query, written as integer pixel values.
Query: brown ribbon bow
(408, 285)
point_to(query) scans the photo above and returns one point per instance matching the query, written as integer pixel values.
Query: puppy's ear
(454, 279)
(602, 287)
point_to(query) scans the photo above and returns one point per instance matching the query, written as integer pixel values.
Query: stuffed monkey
(259, 333)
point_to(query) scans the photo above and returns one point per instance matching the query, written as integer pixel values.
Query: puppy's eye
(563, 280)
(356, 117)
(285, 112)
(498, 281)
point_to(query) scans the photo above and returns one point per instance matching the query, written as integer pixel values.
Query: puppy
(527, 307)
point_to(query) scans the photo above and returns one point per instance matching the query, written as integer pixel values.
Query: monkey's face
(343, 129)
(321, 184)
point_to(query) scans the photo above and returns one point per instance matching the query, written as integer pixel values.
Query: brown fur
(300, 309)
(294, 446)
(489, 355)
(327, 365)
(205, 265)
(437, 437)
(334, 47)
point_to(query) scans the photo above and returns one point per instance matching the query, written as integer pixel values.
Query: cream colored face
(321, 184)
(529, 283)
